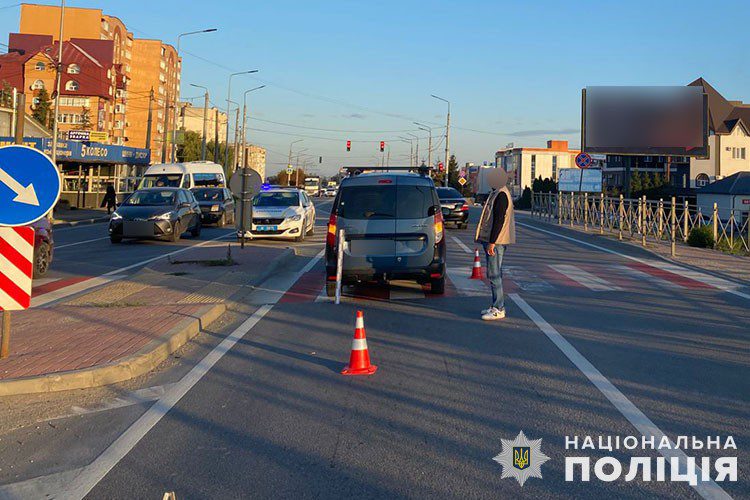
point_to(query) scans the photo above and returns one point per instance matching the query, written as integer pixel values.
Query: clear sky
(512, 70)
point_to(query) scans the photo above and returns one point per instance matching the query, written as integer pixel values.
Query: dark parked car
(217, 205)
(455, 207)
(43, 246)
(393, 228)
(156, 213)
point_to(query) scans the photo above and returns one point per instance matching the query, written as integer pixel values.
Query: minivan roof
(183, 168)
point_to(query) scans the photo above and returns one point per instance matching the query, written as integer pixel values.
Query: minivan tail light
(331, 236)
(438, 224)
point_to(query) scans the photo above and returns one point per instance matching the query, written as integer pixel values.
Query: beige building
(256, 159)
(191, 119)
(526, 164)
(728, 140)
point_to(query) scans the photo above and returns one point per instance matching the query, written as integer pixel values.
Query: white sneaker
(493, 314)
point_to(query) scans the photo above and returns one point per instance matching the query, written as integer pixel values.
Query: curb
(82, 222)
(140, 363)
(666, 258)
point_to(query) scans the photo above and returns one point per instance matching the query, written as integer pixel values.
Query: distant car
(330, 192)
(284, 213)
(217, 205)
(393, 227)
(43, 246)
(455, 207)
(156, 213)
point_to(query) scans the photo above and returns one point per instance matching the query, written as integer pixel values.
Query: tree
(85, 119)
(453, 174)
(6, 95)
(210, 147)
(283, 179)
(42, 111)
(190, 149)
(635, 183)
(646, 184)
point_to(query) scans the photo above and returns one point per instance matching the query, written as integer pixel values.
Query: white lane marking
(585, 278)
(145, 395)
(459, 276)
(49, 297)
(461, 244)
(719, 283)
(644, 425)
(60, 247)
(642, 276)
(89, 476)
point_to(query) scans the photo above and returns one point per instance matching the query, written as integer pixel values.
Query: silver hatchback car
(393, 229)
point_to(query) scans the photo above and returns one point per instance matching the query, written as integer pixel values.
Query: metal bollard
(621, 213)
(673, 229)
(339, 265)
(686, 222)
(716, 224)
(601, 213)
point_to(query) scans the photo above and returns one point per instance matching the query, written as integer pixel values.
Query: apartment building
(191, 119)
(157, 68)
(92, 25)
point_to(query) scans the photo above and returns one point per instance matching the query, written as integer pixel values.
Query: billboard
(659, 121)
(579, 180)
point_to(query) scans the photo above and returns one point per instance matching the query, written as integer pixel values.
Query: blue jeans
(495, 274)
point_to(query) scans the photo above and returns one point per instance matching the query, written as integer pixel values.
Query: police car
(282, 213)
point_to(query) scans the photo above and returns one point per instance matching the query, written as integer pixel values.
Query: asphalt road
(595, 343)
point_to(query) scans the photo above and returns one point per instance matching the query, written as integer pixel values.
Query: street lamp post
(429, 143)
(411, 148)
(58, 77)
(416, 151)
(289, 163)
(244, 122)
(296, 166)
(447, 137)
(177, 94)
(229, 97)
(205, 119)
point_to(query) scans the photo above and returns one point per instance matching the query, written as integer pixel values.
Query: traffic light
(382, 146)
(348, 145)
(441, 166)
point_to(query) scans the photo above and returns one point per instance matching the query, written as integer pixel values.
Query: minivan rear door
(415, 231)
(366, 211)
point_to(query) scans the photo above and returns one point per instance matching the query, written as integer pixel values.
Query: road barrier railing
(640, 219)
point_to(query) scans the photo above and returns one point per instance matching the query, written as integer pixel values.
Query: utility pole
(236, 145)
(229, 99)
(58, 77)
(205, 125)
(20, 118)
(429, 143)
(244, 124)
(150, 118)
(447, 138)
(289, 162)
(216, 137)
(165, 133)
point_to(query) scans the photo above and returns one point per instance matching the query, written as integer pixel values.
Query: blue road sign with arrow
(29, 185)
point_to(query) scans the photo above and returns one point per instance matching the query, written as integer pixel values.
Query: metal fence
(661, 222)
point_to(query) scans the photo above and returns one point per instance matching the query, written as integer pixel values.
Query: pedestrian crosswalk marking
(585, 278)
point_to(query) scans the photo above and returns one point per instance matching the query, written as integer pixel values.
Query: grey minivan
(393, 227)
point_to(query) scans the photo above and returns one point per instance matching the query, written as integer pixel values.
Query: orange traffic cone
(476, 271)
(359, 361)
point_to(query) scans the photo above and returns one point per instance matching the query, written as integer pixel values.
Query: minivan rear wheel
(437, 286)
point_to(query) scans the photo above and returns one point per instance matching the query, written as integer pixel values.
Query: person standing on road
(110, 199)
(495, 231)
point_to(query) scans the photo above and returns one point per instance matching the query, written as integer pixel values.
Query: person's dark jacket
(499, 208)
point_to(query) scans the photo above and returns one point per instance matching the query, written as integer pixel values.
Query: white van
(185, 175)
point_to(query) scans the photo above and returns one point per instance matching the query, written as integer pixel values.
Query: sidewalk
(724, 265)
(129, 327)
(73, 217)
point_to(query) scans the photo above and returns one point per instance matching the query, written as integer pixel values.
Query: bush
(701, 237)
(736, 249)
